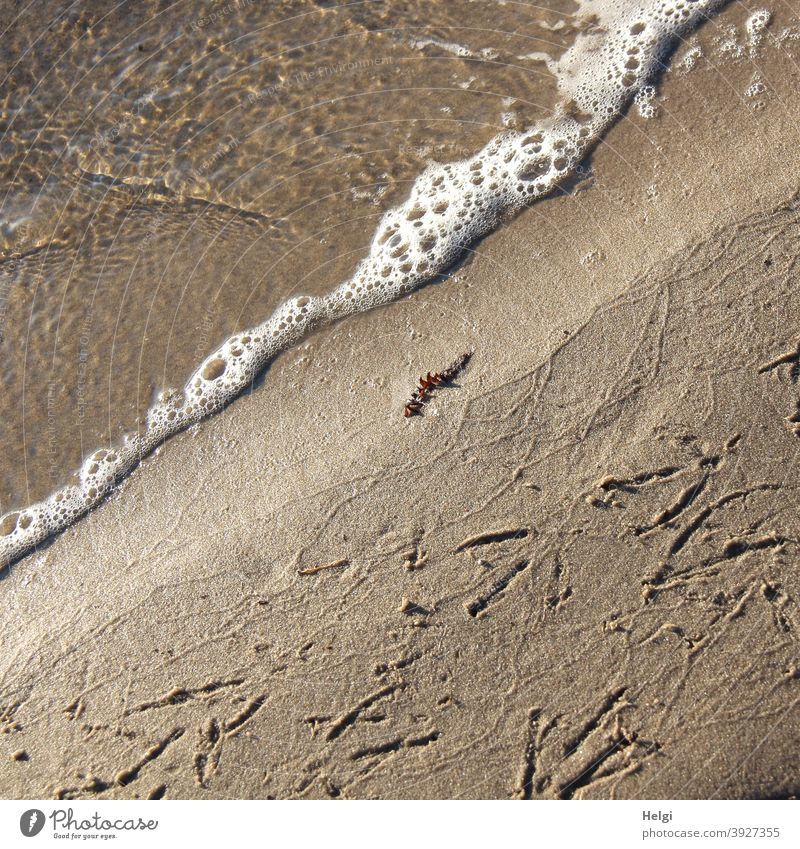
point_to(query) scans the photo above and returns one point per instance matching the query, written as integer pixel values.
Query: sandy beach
(573, 576)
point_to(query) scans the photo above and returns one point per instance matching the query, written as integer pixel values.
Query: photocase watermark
(54, 468)
(203, 334)
(5, 288)
(220, 13)
(321, 72)
(153, 229)
(103, 138)
(65, 825)
(189, 175)
(84, 340)
(220, 153)
(440, 152)
(31, 822)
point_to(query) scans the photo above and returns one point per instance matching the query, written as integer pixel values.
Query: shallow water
(255, 160)
(170, 174)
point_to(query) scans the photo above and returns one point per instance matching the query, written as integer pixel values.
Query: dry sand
(574, 577)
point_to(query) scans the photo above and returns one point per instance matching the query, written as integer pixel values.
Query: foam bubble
(645, 101)
(450, 206)
(756, 26)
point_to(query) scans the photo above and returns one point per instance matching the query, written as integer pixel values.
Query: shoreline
(514, 582)
(454, 206)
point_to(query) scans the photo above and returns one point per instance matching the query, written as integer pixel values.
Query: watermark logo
(31, 822)
(63, 824)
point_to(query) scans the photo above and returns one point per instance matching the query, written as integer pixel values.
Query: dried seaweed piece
(430, 381)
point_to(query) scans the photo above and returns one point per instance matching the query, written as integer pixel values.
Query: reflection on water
(171, 173)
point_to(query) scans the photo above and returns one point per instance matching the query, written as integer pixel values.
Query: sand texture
(575, 576)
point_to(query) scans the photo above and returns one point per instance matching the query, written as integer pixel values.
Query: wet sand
(170, 176)
(573, 577)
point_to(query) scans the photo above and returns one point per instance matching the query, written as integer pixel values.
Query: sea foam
(450, 206)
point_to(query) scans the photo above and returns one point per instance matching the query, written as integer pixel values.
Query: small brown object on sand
(312, 570)
(431, 381)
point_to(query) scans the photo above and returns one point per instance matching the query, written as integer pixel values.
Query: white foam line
(449, 208)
